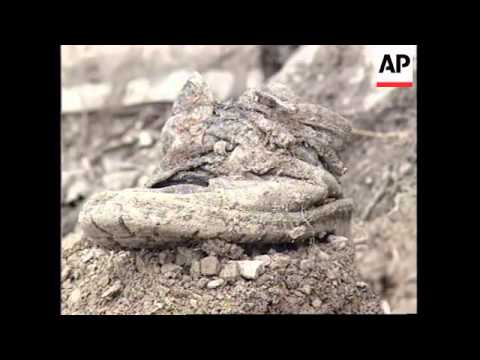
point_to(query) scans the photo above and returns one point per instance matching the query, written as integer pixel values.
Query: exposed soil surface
(313, 278)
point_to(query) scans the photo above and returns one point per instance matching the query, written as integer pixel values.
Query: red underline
(394, 84)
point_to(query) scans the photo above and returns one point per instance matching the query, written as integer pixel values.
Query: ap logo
(394, 65)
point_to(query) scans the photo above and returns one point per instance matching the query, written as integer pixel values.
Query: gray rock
(250, 269)
(209, 266)
(215, 283)
(230, 271)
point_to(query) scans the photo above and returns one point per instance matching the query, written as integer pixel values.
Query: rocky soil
(382, 179)
(214, 278)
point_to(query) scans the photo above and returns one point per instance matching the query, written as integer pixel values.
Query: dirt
(382, 180)
(311, 278)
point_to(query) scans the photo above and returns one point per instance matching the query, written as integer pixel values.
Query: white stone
(215, 283)
(145, 139)
(75, 296)
(316, 303)
(250, 269)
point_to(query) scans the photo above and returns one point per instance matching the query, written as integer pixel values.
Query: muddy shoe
(262, 169)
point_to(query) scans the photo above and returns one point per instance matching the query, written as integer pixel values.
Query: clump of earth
(317, 277)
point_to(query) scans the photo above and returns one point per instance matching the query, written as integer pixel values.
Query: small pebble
(250, 269)
(145, 139)
(316, 303)
(75, 296)
(215, 283)
(405, 168)
(307, 289)
(386, 307)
